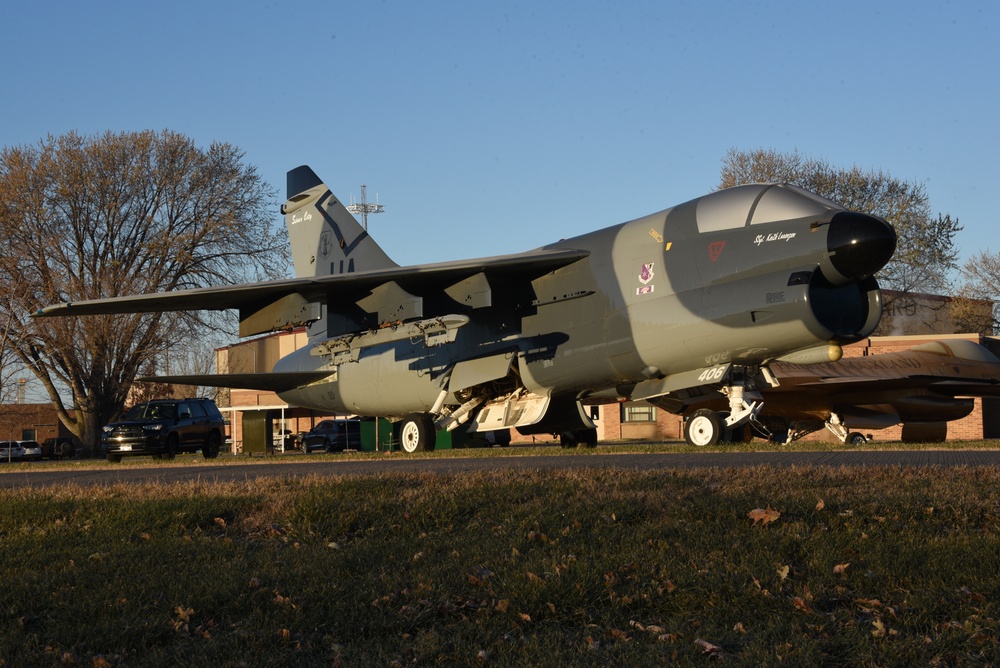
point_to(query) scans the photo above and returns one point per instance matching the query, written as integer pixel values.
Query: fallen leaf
(820, 505)
(879, 631)
(525, 617)
(221, 522)
(763, 516)
(801, 604)
(502, 605)
(783, 572)
(713, 651)
(840, 568)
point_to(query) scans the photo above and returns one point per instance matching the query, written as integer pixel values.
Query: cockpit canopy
(759, 203)
(960, 348)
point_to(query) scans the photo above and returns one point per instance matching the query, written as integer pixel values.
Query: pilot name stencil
(774, 236)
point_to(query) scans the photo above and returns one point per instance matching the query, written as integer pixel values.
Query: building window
(638, 411)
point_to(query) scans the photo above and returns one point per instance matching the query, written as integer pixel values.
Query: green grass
(592, 568)
(624, 447)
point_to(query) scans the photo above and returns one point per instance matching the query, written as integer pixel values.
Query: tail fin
(325, 237)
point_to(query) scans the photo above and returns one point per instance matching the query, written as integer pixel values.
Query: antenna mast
(364, 208)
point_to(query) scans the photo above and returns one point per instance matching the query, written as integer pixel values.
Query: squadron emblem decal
(715, 249)
(646, 275)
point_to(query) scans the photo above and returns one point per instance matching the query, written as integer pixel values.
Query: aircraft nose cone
(859, 245)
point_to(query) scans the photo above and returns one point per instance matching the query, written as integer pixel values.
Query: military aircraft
(923, 388)
(699, 297)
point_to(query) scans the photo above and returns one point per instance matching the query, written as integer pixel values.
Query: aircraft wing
(272, 305)
(951, 387)
(266, 382)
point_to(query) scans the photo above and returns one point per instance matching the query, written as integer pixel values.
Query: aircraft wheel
(856, 438)
(587, 438)
(416, 433)
(703, 428)
(567, 439)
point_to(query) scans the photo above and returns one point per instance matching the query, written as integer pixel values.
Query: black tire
(171, 450)
(567, 439)
(327, 447)
(416, 433)
(704, 427)
(856, 438)
(212, 446)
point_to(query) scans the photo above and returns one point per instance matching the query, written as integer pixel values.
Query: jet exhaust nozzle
(859, 245)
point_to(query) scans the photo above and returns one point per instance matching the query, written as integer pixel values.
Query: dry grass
(608, 567)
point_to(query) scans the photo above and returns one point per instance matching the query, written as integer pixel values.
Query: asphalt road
(240, 470)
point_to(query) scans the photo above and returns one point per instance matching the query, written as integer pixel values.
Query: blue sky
(495, 127)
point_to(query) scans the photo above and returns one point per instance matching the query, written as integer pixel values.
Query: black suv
(163, 428)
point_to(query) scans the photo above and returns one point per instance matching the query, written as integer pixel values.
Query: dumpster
(257, 432)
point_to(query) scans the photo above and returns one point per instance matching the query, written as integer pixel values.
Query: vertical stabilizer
(326, 239)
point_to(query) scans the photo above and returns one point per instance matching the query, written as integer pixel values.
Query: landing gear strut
(707, 427)
(837, 427)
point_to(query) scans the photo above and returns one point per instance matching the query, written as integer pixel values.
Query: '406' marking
(713, 374)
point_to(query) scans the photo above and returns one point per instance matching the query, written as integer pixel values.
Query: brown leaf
(820, 505)
(502, 605)
(801, 604)
(763, 516)
(525, 617)
(840, 568)
(713, 651)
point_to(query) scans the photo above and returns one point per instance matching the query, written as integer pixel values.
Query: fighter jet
(923, 388)
(698, 298)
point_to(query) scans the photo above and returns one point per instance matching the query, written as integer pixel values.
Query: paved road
(239, 470)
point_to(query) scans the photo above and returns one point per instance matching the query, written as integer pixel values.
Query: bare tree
(925, 257)
(981, 286)
(117, 214)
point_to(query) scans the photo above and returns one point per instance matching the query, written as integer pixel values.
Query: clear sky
(494, 127)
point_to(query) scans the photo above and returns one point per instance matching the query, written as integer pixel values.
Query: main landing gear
(708, 427)
(416, 433)
(837, 427)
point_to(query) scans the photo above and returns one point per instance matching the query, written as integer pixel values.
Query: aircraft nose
(859, 245)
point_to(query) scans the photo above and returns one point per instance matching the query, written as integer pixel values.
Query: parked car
(58, 448)
(333, 436)
(32, 451)
(11, 451)
(165, 427)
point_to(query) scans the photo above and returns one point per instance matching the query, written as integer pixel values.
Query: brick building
(31, 422)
